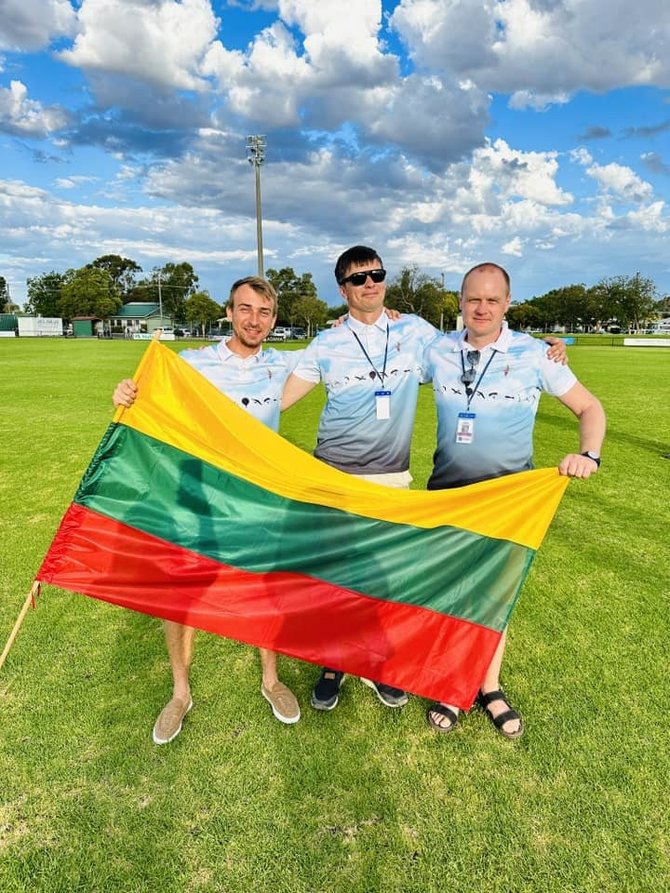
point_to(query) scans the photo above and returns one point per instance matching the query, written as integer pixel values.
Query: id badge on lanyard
(383, 404)
(465, 429)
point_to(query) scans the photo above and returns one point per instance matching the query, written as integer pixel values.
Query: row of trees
(630, 302)
(101, 287)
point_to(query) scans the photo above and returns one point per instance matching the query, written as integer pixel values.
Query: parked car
(280, 333)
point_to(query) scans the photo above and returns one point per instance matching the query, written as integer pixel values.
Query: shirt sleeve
(556, 378)
(292, 358)
(430, 335)
(307, 365)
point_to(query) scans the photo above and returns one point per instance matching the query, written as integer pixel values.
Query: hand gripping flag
(194, 511)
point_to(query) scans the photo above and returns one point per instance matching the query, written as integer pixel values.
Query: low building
(138, 317)
(86, 326)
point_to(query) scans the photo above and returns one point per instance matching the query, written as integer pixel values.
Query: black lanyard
(381, 376)
(474, 390)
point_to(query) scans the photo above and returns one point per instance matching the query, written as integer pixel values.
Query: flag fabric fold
(193, 511)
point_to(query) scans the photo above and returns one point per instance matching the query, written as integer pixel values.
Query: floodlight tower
(256, 156)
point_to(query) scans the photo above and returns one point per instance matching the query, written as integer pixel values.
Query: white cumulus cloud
(21, 115)
(163, 42)
(620, 181)
(31, 24)
(540, 51)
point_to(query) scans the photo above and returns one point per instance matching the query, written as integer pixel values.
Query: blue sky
(535, 133)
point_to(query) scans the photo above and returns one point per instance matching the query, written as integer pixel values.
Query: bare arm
(592, 424)
(295, 389)
(124, 393)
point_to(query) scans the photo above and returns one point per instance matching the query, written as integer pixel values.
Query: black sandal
(499, 721)
(444, 711)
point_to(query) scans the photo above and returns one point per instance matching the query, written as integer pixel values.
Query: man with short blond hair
(254, 379)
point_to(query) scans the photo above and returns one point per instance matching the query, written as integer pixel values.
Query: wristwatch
(593, 456)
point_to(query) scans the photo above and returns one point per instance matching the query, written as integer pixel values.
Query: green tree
(89, 292)
(4, 295)
(568, 306)
(337, 312)
(630, 300)
(662, 307)
(170, 285)
(201, 310)
(311, 311)
(44, 293)
(414, 292)
(121, 269)
(290, 287)
(523, 316)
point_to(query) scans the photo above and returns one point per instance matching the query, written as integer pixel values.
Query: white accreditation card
(465, 429)
(383, 404)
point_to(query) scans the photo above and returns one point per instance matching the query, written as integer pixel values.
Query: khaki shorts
(398, 479)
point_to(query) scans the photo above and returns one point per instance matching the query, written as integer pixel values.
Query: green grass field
(364, 799)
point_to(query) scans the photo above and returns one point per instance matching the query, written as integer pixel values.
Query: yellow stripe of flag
(178, 406)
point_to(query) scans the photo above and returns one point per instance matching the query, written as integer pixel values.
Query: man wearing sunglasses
(487, 382)
(371, 368)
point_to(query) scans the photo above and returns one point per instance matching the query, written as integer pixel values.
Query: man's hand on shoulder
(125, 393)
(575, 465)
(558, 350)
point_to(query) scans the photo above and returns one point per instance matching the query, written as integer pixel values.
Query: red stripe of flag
(402, 645)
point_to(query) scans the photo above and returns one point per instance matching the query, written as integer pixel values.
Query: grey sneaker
(169, 723)
(387, 694)
(283, 702)
(326, 692)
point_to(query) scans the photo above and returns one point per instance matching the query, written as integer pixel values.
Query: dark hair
(260, 286)
(359, 254)
(485, 266)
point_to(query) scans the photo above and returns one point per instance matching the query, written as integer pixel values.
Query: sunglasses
(467, 378)
(360, 278)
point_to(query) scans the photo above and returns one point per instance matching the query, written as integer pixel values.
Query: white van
(280, 333)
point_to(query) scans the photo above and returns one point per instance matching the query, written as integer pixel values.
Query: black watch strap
(589, 455)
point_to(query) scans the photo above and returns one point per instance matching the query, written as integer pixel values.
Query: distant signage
(40, 326)
(646, 342)
(147, 336)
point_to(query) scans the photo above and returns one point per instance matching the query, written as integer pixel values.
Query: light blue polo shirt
(255, 383)
(349, 359)
(505, 403)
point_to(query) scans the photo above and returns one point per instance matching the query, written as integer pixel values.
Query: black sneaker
(326, 692)
(387, 694)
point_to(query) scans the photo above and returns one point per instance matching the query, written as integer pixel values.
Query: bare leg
(492, 683)
(268, 667)
(179, 641)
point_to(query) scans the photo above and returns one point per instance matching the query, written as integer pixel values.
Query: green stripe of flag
(163, 491)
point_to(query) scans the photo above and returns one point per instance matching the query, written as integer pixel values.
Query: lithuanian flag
(194, 511)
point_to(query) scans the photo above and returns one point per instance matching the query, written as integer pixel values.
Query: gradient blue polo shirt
(511, 375)
(255, 383)
(349, 359)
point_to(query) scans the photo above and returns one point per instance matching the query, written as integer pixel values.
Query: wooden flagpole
(30, 600)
